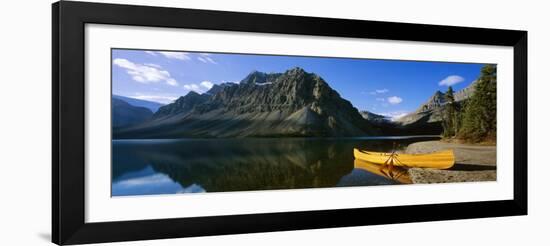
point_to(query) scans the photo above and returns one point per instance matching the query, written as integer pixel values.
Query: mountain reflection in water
(142, 167)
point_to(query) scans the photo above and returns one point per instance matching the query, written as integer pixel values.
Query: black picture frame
(68, 106)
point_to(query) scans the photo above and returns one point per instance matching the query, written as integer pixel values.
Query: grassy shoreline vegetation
(475, 120)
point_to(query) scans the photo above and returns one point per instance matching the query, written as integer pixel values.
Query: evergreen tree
(479, 120)
(450, 119)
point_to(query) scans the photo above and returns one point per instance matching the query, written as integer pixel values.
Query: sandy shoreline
(472, 163)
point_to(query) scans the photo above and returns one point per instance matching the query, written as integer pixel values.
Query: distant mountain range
(153, 106)
(290, 104)
(124, 114)
(428, 117)
(293, 103)
(372, 117)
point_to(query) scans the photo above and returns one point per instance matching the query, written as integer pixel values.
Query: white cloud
(145, 73)
(152, 65)
(164, 99)
(398, 116)
(184, 56)
(193, 87)
(123, 63)
(379, 91)
(159, 99)
(151, 53)
(451, 80)
(394, 115)
(205, 58)
(172, 82)
(200, 87)
(207, 84)
(202, 59)
(395, 100)
(230, 82)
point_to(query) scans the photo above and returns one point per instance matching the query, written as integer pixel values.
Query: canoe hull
(439, 160)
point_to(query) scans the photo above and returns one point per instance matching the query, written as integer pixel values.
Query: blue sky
(388, 87)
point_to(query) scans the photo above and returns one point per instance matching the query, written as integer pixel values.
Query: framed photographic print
(176, 122)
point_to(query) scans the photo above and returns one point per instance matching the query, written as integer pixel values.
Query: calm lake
(146, 167)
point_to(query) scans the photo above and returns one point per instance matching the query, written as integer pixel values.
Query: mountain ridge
(432, 110)
(427, 118)
(125, 114)
(294, 103)
(153, 106)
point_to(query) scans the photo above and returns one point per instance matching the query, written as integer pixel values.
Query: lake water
(146, 167)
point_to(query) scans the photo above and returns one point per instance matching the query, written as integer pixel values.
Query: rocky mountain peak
(373, 117)
(218, 87)
(290, 90)
(256, 77)
(437, 100)
(295, 71)
(190, 94)
(430, 114)
(466, 92)
(183, 104)
(292, 103)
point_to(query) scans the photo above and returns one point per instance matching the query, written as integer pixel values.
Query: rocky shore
(472, 163)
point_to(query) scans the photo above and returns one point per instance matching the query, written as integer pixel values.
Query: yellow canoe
(398, 174)
(439, 160)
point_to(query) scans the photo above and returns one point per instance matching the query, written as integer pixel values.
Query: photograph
(199, 121)
(173, 121)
